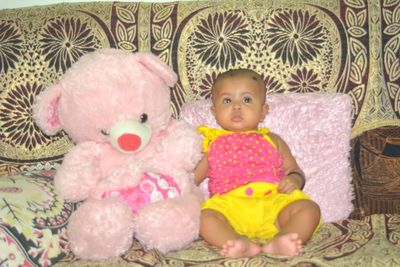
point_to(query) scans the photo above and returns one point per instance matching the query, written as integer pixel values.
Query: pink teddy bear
(132, 165)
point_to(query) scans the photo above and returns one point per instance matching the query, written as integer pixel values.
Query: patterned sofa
(350, 47)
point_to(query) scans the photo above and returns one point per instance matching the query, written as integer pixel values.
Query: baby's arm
(200, 172)
(294, 176)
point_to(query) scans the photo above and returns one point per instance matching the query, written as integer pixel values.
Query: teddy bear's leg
(169, 224)
(101, 229)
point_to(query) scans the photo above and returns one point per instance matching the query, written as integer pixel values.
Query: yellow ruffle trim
(210, 134)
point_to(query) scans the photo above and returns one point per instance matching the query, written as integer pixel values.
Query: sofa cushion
(317, 128)
(33, 220)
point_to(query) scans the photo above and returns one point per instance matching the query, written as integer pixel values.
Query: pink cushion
(317, 128)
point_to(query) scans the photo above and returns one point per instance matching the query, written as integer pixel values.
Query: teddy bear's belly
(152, 187)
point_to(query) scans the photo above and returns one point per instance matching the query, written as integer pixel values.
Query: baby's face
(239, 103)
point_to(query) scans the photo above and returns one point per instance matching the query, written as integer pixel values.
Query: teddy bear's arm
(79, 172)
(182, 146)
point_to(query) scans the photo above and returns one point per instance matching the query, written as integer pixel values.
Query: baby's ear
(265, 110)
(212, 108)
(45, 109)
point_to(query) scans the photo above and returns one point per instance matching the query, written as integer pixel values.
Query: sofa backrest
(307, 46)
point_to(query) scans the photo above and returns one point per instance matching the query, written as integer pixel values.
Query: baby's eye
(247, 99)
(226, 100)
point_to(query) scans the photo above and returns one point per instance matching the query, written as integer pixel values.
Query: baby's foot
(284, 245)
(239, 248)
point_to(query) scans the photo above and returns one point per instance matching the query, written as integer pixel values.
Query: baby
(256, 204)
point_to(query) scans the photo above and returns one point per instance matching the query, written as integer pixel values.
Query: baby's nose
(237, 105)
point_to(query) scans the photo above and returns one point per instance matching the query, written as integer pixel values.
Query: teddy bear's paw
(174, 150)
(79, 173)
(170, 224)
(101, 229)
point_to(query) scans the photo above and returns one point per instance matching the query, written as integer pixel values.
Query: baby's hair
(240, 73)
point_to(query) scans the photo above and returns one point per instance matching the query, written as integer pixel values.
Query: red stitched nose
(129, 142)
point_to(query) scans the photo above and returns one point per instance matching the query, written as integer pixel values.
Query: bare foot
(239, 248)
(284, 245)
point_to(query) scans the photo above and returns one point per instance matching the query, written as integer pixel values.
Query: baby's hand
(290, 183)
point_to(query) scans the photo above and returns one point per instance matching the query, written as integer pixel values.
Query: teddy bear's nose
(129, 142)
(129, 136)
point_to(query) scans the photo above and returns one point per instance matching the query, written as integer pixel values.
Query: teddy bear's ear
(157, 66)
(45, 110)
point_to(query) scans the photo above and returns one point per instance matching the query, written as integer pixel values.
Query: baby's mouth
(236, 118)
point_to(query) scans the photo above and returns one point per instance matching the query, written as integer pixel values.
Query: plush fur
(317, 128)
(89, 103)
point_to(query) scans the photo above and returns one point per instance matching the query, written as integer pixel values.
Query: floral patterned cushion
(32, 220)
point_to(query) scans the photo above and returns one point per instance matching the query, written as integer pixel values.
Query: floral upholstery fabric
(33, 220)
(347, 46)
(328, 46)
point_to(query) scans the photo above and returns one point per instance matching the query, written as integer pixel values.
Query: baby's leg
(296, 223)
(301, 217)
(216, 230)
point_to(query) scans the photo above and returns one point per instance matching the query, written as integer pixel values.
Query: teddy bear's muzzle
(130, 136)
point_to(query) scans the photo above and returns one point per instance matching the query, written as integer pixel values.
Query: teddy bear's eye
(105, 132)
(143, 118)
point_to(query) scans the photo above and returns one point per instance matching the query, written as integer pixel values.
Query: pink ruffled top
(236, 159)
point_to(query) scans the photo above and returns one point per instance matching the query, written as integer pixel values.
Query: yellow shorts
(252, 209)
